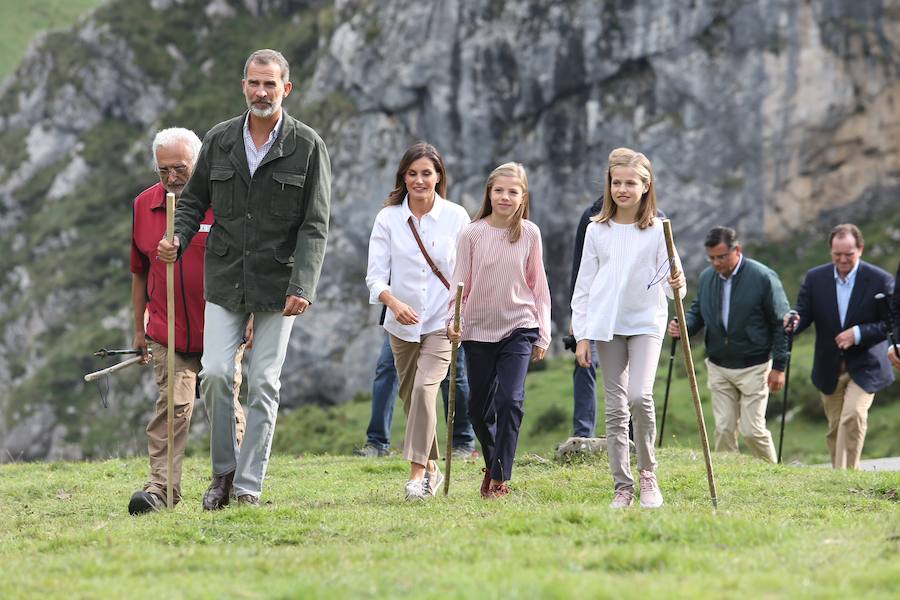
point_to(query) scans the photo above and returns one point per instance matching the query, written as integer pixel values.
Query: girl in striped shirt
(619, 303)
(505, 317)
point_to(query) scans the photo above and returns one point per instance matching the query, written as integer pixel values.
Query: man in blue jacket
(741, 303)
(850, 363)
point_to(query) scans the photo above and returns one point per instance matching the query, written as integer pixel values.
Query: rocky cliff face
(760, 115)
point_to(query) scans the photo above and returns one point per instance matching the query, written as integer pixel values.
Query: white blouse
(622, 282)
(396, 263)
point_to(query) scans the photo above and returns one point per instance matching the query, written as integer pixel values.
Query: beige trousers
(421, 367)
(847, 410)
(186, 369)
(739, 400)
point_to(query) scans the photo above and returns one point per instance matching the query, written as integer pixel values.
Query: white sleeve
(587, 271)
(378, 272)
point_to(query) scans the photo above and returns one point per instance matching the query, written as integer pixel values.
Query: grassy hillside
(20, 21)
(336, 527)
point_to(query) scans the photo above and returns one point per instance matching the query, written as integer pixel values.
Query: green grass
(336, 527)
(21, 21)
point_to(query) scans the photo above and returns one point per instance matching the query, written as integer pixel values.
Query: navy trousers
(497, 396)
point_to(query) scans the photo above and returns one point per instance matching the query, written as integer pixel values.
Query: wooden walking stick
(689, 366)
(451, 396)
(170, 352)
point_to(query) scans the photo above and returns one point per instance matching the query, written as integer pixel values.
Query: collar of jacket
(232, 142)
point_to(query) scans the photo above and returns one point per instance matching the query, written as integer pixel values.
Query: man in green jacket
(267, 177)
(741, 302)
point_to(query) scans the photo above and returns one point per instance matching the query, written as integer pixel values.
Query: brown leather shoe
(486, 483)
(219, 493)
(247, 500)
(498, 491)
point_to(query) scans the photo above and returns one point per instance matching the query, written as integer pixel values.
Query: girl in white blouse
(400, 277)
(619, 303)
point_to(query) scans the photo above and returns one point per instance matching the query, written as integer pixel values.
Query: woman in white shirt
(417, 294)
(620, 304)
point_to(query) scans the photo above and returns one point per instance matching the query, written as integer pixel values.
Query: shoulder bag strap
(430, 262)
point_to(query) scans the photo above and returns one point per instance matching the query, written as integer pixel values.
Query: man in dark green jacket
(267, 177)
(741, 302)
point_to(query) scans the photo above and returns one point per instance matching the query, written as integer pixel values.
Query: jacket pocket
(221, 188)
(217, 245)
(284, 257)
(286, 194)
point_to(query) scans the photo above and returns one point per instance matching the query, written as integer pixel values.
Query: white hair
(177, 135)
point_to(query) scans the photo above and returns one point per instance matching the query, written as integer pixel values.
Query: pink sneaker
(623, 499)
(651, 497)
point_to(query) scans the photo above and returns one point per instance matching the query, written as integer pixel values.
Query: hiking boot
(497, 491)
(248, 500)
(651, 497)
(485, 483)
(219, 493)
(371, 451)
(433, 481)
(416, 490)
(623, 498)
(143, 502)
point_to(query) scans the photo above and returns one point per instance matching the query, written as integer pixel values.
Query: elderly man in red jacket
(175, 152)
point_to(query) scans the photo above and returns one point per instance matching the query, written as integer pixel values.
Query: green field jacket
(268, 240)
(755, 331)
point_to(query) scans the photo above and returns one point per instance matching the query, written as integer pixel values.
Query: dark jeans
(496, 406)
(384, 397)
(584, 381)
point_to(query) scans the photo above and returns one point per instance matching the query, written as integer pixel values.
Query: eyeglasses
(179, 171)
(719, 257)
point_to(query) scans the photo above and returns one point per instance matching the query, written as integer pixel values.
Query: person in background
(850, 361)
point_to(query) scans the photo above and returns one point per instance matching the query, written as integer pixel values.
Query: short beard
(262, 113)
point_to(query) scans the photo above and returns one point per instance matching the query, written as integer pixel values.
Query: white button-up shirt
(396, 264)
(844, 289)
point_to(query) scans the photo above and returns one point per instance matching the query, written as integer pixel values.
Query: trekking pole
(451, 396)
(662, 426)
(170, 352)
(125, 363)
(689, 366)
(789, 330)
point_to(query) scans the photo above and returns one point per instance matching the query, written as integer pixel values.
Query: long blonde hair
(516, 171)
(626, 157)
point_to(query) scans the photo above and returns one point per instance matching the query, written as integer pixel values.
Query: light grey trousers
(223, 334)
(629, 365)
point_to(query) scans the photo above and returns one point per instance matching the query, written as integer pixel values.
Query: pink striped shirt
(505, 284)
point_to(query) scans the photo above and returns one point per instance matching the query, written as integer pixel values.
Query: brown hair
(267, 56)
(846, 229)
(626, 157)
(516, 171)
(414, 153)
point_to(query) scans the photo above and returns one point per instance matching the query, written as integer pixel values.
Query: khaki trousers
(629, 370)
(847, 410)
(421, 367)
(186, 369)
(739, 400)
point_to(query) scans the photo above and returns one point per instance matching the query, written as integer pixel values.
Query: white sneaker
(416, 490)
(651, 497)
(433, 481)
(623, 499)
